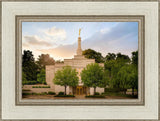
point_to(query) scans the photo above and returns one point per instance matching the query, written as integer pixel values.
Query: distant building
(78, 62)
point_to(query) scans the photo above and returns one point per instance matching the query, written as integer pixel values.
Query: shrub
(44, 93)
(97, 93)
(40, 86)
(51, 93)
(46, 87)
(64, 96)
(95, 96)
(26, 90)
(61, 93)
(26, 93)
(33, 93)
(29, 82)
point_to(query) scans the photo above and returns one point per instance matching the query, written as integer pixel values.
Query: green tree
(92, 75)
(123, 57)
(125, 76)
(24, 80)
(92, 54)
(108, 65)
(30, 69)
(134, 83)
(133, 78)
(110, 56)
(105, 81)
(135, 58)
(43, 60)
(66, 77)
(41, 77)
(59, 61)
(114, 66)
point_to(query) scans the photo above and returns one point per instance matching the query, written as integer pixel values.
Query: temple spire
(79, 49)
(79, 32)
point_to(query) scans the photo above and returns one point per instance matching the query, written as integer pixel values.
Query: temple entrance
(79, 90)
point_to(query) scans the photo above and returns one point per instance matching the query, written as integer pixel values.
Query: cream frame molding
(146, 8)
(18, 35)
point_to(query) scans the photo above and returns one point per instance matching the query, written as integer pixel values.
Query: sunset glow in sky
(59, 39)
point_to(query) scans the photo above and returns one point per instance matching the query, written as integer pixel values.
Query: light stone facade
(78, 62)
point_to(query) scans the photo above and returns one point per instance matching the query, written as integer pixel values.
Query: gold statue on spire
(79, 31)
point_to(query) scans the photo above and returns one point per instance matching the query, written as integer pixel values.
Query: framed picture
(87, 60)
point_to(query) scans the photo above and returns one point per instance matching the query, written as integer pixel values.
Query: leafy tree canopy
(135, 58)
(106, 78)
(128, 77)
(110, 56)
(66, 77)
(92, 75)
(43, 60)
(29, 66)
(122, 58)
(59, 61)
(92, 54)
(41, 77)
(133, 76)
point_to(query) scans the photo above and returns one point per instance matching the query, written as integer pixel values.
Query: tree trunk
(133, 91)
(124, 91)
(65, 89)
(86, 91)
(94, 90)
(73, 90)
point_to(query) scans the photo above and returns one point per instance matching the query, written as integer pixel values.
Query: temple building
(78, 62)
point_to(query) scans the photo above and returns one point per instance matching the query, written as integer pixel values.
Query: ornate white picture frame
(145, 12)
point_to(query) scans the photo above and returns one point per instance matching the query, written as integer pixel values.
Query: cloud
(104, 31)
(61, 52)
(49, 38)
(35, 41)
(121, 38)
(56, 32)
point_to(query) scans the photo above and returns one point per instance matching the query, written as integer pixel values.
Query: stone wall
(100, 90)
(50, 70)
(36, 90)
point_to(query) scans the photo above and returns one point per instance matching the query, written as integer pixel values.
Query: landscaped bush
(26, 90)
(29, 82)
(33, 93)
(51, 93)
(95, 96)
(44, 93)
(40, 86)
(97, 93)
(64, 96)
(26, 93)
(61, 93)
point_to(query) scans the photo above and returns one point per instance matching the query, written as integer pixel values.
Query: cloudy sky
(59, 39)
